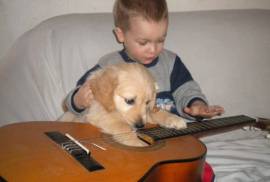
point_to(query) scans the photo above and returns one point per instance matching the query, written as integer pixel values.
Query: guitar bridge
(75, 149)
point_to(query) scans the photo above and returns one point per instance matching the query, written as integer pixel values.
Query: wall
(18, 16)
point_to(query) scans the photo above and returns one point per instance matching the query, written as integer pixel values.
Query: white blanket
(239, 156)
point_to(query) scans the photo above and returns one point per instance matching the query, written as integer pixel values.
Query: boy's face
(144, 40)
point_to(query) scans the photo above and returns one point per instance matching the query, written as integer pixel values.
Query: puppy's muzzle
(139, 124)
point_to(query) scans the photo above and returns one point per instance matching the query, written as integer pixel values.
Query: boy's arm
(200, 110)
(186, 95)
(84, 97)
(184, 89)
(189, 99)
(69, 102)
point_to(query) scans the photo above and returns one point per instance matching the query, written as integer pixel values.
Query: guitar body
(27, 154)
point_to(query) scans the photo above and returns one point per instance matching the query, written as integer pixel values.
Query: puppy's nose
(139, 124)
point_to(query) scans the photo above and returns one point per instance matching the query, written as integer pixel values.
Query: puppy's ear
(103, 86)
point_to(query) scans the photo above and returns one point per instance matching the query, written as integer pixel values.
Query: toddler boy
(141, 26)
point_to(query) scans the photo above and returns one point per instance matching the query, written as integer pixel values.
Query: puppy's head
(135, 94)
(128, 89)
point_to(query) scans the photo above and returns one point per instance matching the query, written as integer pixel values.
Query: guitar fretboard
(158, 133)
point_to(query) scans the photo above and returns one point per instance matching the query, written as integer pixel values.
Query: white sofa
(227, 52)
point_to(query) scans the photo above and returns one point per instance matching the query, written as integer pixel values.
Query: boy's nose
(153, 49)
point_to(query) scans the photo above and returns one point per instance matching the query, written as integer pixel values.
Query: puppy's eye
(130, 101)
(147, 102)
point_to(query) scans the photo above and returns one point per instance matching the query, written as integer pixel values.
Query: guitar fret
(184, 131)
(212, 125)
(204, 126)
(198, 128)
(192, 130)
(174, 132)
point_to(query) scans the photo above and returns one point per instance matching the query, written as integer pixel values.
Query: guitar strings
(111, 138)
(106, 137)
(192, 128)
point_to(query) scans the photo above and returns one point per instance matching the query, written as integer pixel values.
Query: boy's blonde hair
(151, 10)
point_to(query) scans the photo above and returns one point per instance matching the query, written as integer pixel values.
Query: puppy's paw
(175, 122)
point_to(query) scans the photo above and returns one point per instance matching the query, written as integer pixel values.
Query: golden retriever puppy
(124, 99)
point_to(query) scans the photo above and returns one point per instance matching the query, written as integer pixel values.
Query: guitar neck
(205, 127)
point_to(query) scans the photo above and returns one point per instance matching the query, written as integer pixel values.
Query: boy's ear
(119, 34)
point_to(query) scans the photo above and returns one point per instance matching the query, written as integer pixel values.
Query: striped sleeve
(87, 74)
(184, 89)
(179, 74)
(69, 101)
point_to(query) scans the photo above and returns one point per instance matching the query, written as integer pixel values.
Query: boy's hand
(200, 109)
(84, 96)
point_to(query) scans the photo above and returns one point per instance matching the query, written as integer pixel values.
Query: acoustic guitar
(66, 151)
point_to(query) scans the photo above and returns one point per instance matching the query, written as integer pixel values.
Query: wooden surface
(27, 154)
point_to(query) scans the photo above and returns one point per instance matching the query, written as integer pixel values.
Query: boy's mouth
(149, 59)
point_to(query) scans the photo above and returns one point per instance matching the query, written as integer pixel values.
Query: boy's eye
(161, 41)
(130, 101)
(142, 43)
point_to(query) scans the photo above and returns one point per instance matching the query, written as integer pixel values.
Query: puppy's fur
(124, 99)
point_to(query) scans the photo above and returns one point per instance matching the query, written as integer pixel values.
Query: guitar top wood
(27, 154)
